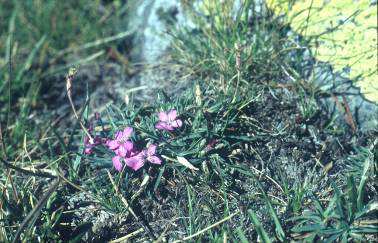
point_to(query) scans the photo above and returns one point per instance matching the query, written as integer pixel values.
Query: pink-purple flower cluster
(124, 149)
(121, 144)
(168, 121)
(137, 159)
(125, 153)
(88, 144)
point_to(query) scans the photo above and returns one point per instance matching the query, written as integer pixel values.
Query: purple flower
(117, 163)
(88, 146)
(136, 162)
(121, 145)
(168, 121)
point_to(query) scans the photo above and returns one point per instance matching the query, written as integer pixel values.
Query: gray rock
(343, 90)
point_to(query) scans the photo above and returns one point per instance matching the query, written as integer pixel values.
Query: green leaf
(308, 228)
(306, 218)
(339, 201)
(370, 207)
(157, 182)
(361, 186)
(319, 207)
(366, 229)
(352, 196)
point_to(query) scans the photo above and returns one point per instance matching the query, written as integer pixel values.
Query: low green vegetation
(39, 41)
(245, 153)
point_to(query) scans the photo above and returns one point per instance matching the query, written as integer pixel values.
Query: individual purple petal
(164, 126)
(86, 140)
(118, 135)
(151, 150)
(117, 163)
(172, 114)
(90, 128)
(88, 150)
(176, 123)
(129, 146)
(97, 140)
(160, 125)
(127, 132)
(154, 160)
(113, 144)
(135, 162)
(163, 116)
(122, 150)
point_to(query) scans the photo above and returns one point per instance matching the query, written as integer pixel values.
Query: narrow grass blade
(97, 42)
(74, 64)
(364, 177)
(307, 228)
(158, 179)
(36, 210)
(9, 53)
(30, 59)
(339, 200)
(260, 230)
(352, 194)
(190, 209)
(279, 231)
(241, 235)
(370, 208)
(11, 28)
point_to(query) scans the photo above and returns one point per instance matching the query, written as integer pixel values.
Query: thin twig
(348, 115)
(79, 188)
(27, 172)
(26, 149)
(69, 79)
(124, 238)
(268, 177)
